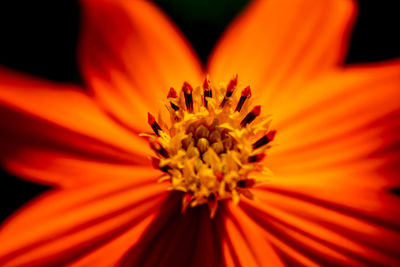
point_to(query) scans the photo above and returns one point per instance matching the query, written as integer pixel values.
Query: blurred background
(40, 37)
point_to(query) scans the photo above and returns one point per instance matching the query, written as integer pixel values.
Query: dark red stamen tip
(271, 135)
(265, 139)
(207, 91)
(246, 92)
(246, 183)
(229, 91)
(172, 93)
(150, 118)
(206, 84)
(220, 176)
(232, 84)
(187, 88)
(251, 116)
(256, 158)
(154, 125)
(256, 110)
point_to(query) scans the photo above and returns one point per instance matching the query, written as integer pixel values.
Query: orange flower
(334, 157)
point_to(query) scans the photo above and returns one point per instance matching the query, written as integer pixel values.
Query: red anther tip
(246, 92)
(232, 84)
(150, 118)
(260, 156)
(206, 84)
(271, 135)
(187, 88)
(220, 176)
(256, 110)
(172, 93)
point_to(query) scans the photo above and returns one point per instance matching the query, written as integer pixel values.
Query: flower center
(208, 141)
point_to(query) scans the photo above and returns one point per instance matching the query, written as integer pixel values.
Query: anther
(157, 147)
(207, 90)
(232, 84)
(246, 93)
(251, 116)
(265, 139)
(256, 158)
(245, 183)
(172, 94)
(229, 91)
(187, 90)
(154, 125)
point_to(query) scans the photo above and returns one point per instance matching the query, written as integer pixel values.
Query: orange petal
(59, 169)
(347, 121)
(276, 45)
(245, 244)
(131, 54)
(60, 227)
(341, 226)
(176, 239)
(53, 119)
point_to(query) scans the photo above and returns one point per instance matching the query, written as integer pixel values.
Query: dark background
(39, 37)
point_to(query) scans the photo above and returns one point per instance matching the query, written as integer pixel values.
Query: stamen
(246, 183)
(207, 90)
(251, 116)
(154, 125)
(246, 93)
(229, 91)
(172, 94)
(256, 158)
(264, 140)
(187, 90)
(156, 146)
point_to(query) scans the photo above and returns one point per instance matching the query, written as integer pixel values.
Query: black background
(39, 37)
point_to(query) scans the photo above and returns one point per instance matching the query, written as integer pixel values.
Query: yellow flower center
(208, 141)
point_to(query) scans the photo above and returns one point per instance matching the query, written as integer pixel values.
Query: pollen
(208, 141)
